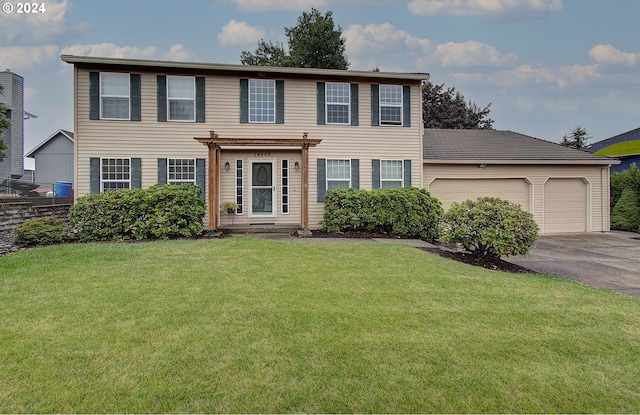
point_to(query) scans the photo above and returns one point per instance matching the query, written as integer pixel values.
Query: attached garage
(567, 190)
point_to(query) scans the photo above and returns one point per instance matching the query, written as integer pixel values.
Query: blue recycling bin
(63, 189)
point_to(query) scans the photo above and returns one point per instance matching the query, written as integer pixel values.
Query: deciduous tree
(315, 42)
(447, 108)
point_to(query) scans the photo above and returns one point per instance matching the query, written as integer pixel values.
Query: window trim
(327, 179)
(401, 180)
(169, 181)
(327, 103)
(128, 96)
(285, 188)
(239, 186)
(401, 106)
(103, 181)
(249, 101)
(169, 99)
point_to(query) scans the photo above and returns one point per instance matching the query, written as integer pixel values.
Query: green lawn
(245, 325)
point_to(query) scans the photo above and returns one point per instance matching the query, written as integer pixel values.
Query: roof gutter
(597, 162)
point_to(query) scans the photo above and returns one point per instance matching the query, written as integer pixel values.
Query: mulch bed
(497, 265)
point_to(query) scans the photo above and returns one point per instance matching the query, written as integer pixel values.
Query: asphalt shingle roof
(483, 146)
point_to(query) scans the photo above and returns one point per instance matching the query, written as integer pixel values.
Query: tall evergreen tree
(577, 138)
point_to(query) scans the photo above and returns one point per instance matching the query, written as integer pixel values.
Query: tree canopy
(446, 108)
(315, 42)
(4, 124)
(577, 138)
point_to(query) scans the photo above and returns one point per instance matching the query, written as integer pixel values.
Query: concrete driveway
(605, 260)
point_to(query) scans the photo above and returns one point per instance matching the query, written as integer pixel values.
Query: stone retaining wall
(13, 214)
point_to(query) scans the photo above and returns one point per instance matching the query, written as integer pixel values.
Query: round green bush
(44, 231)
(490, 227)
(625, 215)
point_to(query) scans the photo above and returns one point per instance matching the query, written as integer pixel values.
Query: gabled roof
(620, 138)
(500, 147)
(247, 70)
(65, 133)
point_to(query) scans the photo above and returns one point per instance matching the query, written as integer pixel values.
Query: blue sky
(546, 66)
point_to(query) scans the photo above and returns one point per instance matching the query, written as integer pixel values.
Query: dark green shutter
(355, 173)
(162, 98)
(406, 106)
(136, 173)
(279, 102)
(94, 175)
(375, 174)
(354, 104)
(162, 171)
(201, 175)
(94, 98)
(244, 101)
(134, 84)
(200, 99)
(375, 104)
(322, 179)
(407, 173)
(321, 102)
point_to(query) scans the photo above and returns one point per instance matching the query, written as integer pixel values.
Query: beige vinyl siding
(537, 175)
(150, 139)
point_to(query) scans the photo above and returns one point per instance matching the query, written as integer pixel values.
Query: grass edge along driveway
(246, 325)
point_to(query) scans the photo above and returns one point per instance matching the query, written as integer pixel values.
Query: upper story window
(181, 98)
(338, 101)
(181, 171)
(115, 173)
(114, 96)
(391, 105)
(262, 101)
(338, 174)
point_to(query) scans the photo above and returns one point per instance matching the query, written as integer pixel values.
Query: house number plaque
(262, 154)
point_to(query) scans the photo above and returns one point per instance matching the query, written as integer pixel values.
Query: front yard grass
(241, 325)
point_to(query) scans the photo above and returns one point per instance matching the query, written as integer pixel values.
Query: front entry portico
(262, 181)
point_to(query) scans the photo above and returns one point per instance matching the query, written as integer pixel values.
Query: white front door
(263, 189)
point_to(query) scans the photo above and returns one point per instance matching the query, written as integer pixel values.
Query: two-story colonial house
(274, 140)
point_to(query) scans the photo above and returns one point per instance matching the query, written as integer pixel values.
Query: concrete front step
(261, 228)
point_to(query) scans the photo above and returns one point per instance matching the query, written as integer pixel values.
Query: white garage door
(565, 206)
(458, 190)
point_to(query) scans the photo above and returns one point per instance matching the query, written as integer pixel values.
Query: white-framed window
(390, 104)
(115, 174)
(181, 98)
(114, 96)
(181, 171)
(239, 187)
(391, 174)
(284, 188)
(262, 101)
(338, 174)
(338, 102)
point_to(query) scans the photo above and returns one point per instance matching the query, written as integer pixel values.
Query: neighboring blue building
(626, 160)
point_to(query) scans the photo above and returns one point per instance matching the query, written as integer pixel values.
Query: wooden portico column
(214, 182)
(305, 182)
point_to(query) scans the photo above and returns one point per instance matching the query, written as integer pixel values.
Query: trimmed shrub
(625, 215)
(406, 211)
(157, 212)
(490, 227)
(43, 231)
(627, 179)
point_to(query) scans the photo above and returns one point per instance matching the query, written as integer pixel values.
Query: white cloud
(533, 8)
(471, 53)
(609, 55)
(19, 58)
(270, 5)
(22, 28)
(179, 53)
(237, 33)
(527, 75)
(109, 50)
(382, 39)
